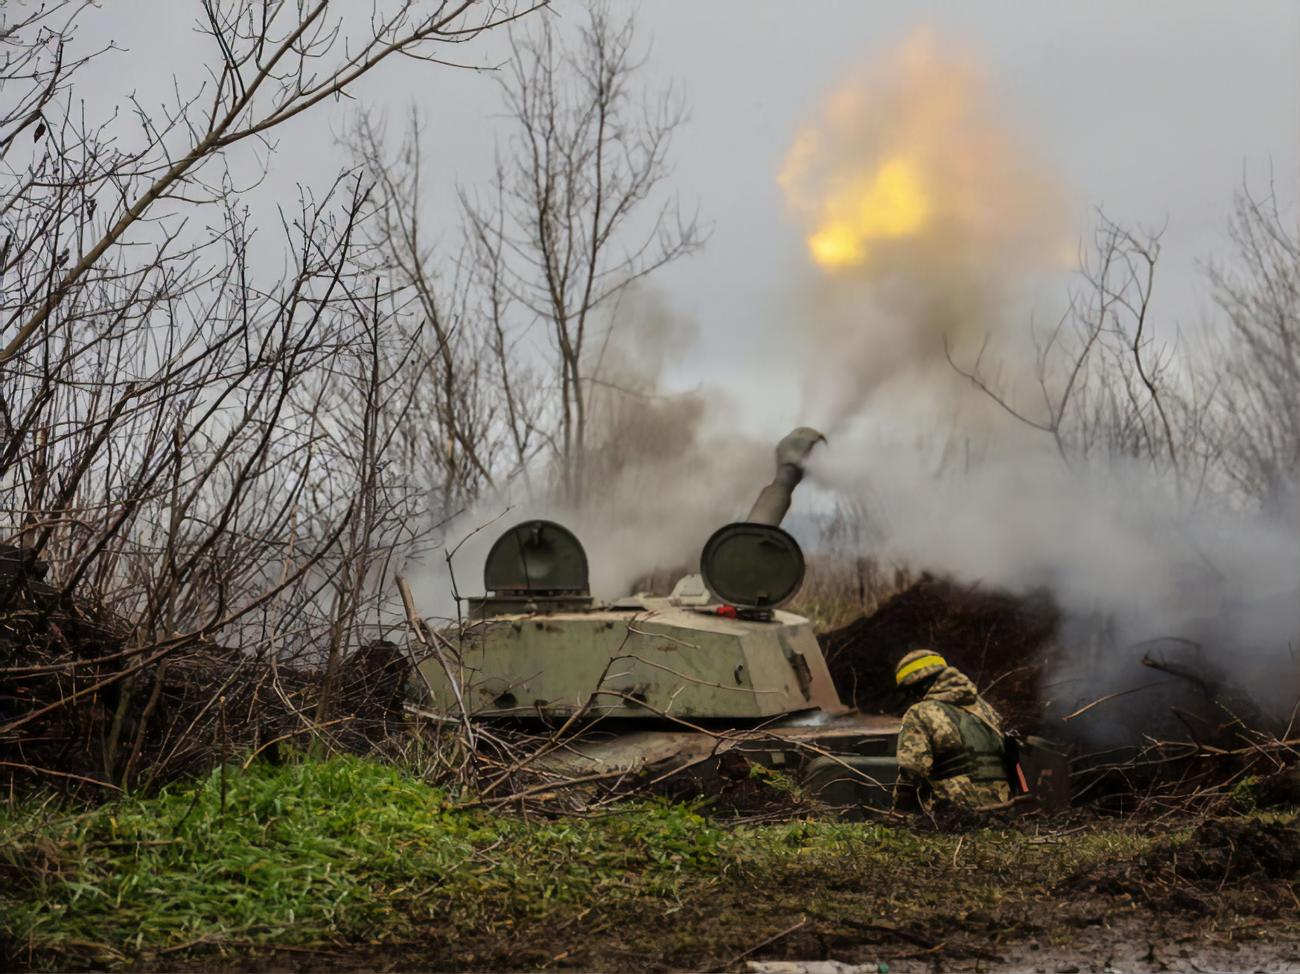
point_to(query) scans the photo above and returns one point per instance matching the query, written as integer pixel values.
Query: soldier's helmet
(918, 665)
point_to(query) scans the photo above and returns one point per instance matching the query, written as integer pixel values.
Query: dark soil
(806, 920)
(1237, 850)
(1001, 641)
(1225, 861)
(967, 909)
(1281, 788)
(80, 706)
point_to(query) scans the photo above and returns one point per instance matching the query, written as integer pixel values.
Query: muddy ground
(1085, 942)
(1223, 895)
(1086, 937)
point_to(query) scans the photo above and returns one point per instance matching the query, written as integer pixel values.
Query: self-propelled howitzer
(659, 678)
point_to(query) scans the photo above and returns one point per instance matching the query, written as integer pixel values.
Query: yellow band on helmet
(904, 672)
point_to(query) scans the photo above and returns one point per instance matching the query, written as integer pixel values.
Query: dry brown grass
(838, 589)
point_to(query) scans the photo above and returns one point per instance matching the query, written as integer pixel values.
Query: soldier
(950, 747)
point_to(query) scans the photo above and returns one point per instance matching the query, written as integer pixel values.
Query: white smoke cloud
(662, 472)
(1111, 542)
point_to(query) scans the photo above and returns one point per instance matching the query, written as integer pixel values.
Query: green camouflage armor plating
(951, 742)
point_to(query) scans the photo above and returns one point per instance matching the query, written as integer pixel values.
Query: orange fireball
(914, 150)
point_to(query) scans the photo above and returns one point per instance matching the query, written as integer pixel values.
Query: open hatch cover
(537, 558)
(752, 566)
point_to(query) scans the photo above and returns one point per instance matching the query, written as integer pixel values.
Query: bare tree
(571, 222)
(468, 421)
(198, 453)
(1259, 358)
(273, 62)
(1106, 386)
(1225, 423)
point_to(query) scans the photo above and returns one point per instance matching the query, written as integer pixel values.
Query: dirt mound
(1235, 850)
(1279, 789)
(1224, 862)
(1001, 641)
(80, 705)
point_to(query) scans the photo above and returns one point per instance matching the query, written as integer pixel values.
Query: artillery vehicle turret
(708, 680)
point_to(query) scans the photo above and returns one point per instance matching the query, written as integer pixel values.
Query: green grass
(357, 853)
(343, 848)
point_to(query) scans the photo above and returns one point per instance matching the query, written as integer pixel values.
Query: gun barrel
(791, 452)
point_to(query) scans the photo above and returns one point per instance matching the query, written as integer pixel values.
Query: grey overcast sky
(1155, 110)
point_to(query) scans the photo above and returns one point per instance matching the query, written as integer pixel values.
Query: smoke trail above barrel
(923, 212)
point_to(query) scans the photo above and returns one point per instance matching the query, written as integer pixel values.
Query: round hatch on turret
(752, 566)
(538, 558)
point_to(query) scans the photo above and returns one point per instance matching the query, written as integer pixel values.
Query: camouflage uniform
(931, 738)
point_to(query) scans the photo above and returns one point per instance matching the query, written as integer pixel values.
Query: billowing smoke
(664, 470)
(925, 214)
(926, 218)
(1214, 592)
(661, 472)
